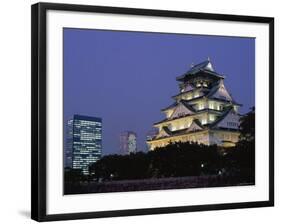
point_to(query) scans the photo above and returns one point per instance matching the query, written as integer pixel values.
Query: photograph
(143, 111)
(147, 111)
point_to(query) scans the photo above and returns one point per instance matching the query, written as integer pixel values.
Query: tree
(174, 160)
(247, 126)
(73, 175)
(243, 157)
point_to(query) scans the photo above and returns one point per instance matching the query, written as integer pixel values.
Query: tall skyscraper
(128, 142)
(83, 142)
(203, 112)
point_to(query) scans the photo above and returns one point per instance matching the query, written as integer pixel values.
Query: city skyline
(127, 77)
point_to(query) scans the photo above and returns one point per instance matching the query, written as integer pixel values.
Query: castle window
(196, 94)
(204, 121)
(211, 105)
(219, 107)
(232, 124)
(211, 117)
(201, 106)
(181, 114)
(189, 96)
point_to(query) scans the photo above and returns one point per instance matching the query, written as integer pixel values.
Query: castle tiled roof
(184, 102)
(170, 107)
(226, 112)
(214, 89)
(205, 67)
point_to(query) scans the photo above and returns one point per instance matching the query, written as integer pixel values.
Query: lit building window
(211, 117)
(219, 107)
(84, 142)
(211, 105)
(204, 121)
(189, 96)
(201, 106)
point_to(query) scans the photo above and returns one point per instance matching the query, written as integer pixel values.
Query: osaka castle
(203, 111)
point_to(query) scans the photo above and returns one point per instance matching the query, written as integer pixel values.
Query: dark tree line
(182, 159)
(174, 160)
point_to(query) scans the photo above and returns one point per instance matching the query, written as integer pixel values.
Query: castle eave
(202, 73)
(180, 133)
(207, 110)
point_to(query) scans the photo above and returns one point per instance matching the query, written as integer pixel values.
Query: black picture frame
(39, 122)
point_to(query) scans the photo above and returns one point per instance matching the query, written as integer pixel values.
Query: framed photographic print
(138, 111)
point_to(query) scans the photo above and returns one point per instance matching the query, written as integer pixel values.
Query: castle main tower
(203, 111)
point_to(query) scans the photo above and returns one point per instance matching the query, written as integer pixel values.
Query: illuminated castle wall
(203, 111)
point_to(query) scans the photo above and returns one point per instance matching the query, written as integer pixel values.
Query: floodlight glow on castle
(203, 111)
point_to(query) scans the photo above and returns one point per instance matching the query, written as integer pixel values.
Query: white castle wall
(230, 121)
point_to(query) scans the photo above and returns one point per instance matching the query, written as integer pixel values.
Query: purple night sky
(126, 78)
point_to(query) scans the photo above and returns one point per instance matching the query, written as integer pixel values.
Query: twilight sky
(126, 78)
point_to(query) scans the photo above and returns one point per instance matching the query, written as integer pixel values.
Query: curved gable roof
(224, 116)
(195, 125)
(182, 109)
(219, 91)
(205, 66)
